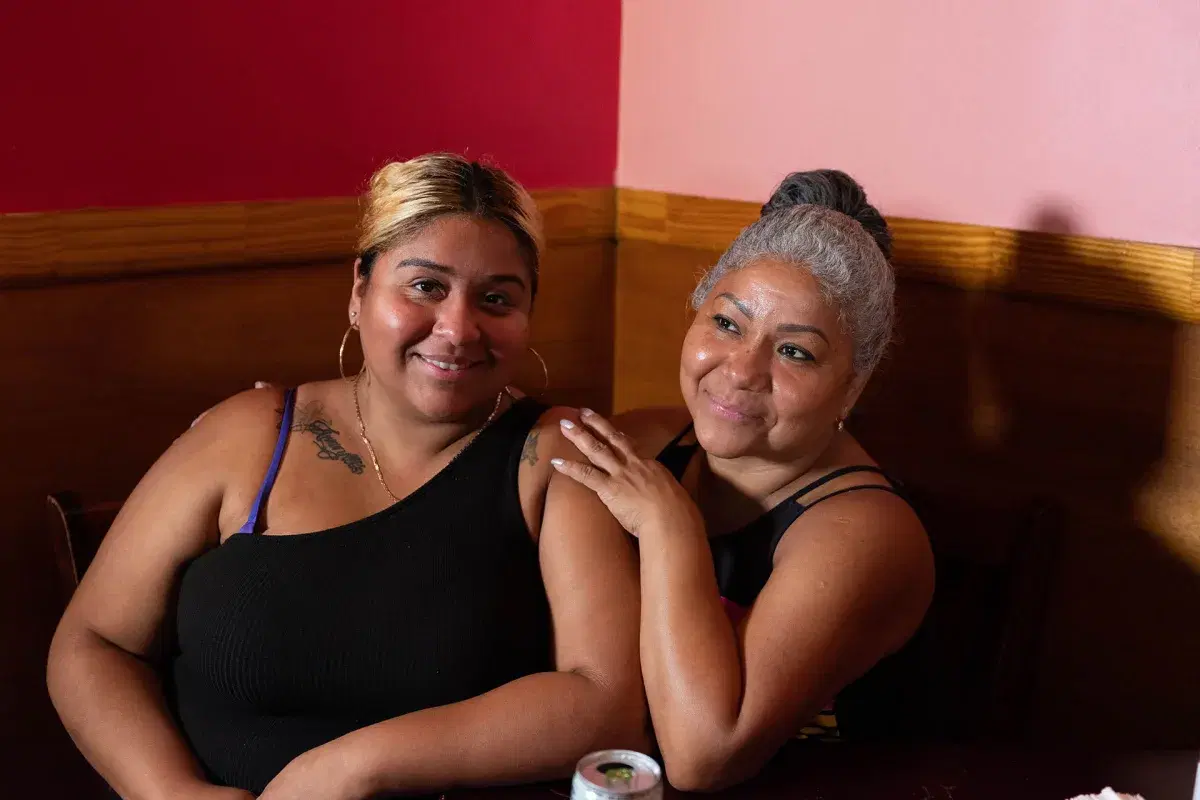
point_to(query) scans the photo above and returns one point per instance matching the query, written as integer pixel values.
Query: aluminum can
(611, 774)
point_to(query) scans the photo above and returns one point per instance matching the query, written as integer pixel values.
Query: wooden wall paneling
(117, 327)
(573, 327)
(654, 284)
(105, 243)
(1092, 271)
(112, 242)
(987, 394)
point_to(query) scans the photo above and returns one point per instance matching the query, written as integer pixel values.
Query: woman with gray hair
(778, 562)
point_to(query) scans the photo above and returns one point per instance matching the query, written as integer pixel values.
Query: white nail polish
(566, 423)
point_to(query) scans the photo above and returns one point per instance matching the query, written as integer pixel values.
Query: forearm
(690, 660)
(112, 705)
(532, 729)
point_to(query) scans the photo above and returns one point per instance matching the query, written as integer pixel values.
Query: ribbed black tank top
(284, 643)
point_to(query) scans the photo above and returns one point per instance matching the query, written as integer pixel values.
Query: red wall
(146, 102)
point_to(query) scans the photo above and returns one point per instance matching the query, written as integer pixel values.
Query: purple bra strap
(285, 428)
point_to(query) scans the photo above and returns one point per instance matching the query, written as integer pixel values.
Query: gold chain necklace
(362, 432)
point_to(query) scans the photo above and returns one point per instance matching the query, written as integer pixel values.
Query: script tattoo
(529, 451)
(310, 418)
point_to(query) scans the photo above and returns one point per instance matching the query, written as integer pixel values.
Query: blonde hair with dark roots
(406, 196)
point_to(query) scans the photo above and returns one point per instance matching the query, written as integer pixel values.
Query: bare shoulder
(237, 422)
(870, 546)
(652, 428)
(261, 410)
(864, 527)
(546, 441)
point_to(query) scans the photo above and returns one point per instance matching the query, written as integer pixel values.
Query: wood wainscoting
(117, 327)
(1024, 364)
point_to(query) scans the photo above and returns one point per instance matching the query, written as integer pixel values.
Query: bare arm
(100, 672)
(536, 727)
(851, 582)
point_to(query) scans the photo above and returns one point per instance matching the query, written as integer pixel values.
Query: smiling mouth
(735, 413)
(452, 367)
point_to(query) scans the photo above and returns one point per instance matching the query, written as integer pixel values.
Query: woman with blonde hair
(371, 585)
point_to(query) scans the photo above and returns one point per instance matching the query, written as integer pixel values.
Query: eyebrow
(427, 264)
(445, 269)
(795, 328)
(790, 327)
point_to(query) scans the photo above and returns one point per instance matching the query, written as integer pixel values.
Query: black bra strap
(833, 476)
(789, 511)
(676, 457)
(877, 486)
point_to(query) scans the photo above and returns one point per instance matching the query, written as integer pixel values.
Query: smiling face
(444, 316)
(766, 369)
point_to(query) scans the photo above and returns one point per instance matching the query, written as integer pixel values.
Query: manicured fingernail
(566, 423)
(587, 412)
(557, 462)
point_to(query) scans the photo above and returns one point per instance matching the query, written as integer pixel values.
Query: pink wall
(144, 102)
(987, 111)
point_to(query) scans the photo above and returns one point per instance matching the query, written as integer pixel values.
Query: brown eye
(794, 353)
(496, 299)
(427, 286)
(725, 323)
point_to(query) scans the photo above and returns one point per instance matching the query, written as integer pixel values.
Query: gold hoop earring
(342, 353)
(545, 372)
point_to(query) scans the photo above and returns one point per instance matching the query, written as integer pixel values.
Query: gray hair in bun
(821, 221)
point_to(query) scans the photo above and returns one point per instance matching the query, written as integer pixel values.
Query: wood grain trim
(1162, 279)
(96, 244)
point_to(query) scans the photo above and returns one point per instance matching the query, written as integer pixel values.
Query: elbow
(67, 671)
(58, 666)
(70, 666)
(694, 772)
(705, 766)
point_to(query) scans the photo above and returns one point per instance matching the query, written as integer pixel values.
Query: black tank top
(744, 559)
(284, 643)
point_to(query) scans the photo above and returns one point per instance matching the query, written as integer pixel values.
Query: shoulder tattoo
(311, 418)
(529, 454)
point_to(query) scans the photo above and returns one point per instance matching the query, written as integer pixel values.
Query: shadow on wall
(993, 393)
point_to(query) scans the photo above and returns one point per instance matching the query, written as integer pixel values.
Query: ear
(853, 390)
(357, 290)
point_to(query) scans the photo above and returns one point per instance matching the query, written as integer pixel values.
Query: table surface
(813, 771)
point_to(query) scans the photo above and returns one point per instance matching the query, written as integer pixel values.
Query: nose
(457, 322)
(749, 368)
